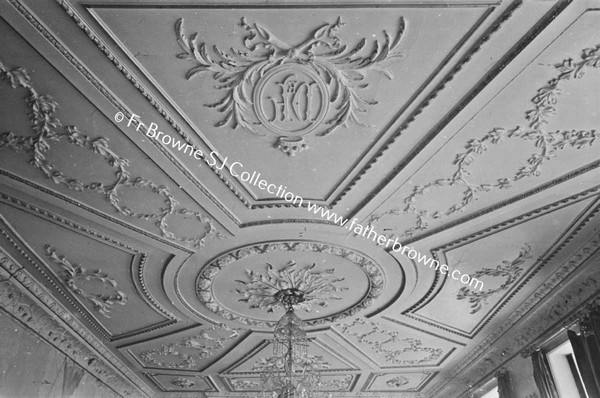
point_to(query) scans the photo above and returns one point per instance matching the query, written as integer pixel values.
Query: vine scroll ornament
(48, 131)
(290, 91)
(547, 141)
(510, 270)
(74, 274)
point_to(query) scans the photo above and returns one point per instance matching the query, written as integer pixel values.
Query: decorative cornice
(65, 332)
(79, 228)
(542, 261)
(561, 310)
(573, 320)
(554, 280)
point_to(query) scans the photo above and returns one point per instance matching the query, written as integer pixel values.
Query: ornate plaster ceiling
(463, 129)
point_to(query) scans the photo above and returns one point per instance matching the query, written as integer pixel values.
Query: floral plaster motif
(243, 385)
(208, 273)
(340, 383)
(318, 286)
(397, 382)
(318, 81)
(510, 270)
(74, 274)
(49, 130)
(183, 383)
(191, 349)
(265, 364)
(389, 343)
(548, 144)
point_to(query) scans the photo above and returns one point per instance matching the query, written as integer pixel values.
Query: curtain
(586, 347)
(504, 386)
(71, 377)
(542, 376)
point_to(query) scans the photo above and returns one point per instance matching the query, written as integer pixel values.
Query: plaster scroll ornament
(548, 142)
(190, 350)
(74, 275)
(397, 382)
(389, 343)
(241, 384)
(339, 383)
(48, 132)
(289, 91)
(511, 271)
(183, 383)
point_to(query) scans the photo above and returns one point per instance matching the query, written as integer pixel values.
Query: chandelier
(290, 373)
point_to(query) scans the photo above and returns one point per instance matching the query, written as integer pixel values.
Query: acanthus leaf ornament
(260, 291)
(290, 90)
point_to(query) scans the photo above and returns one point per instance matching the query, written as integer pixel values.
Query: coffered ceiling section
(135, 135)
(293, 84)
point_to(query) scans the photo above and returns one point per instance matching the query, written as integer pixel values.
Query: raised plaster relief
(48, 130)
(547, 143)
(73, 275)
(208, 273)
(242, 385)
(340, 383)
(188, 351)
(183, 383)
(318, 286)
(397, 382)
(563, 306)
(74, 340)
(291, 90)
(510, 270)
(389, 343)
(264, 365)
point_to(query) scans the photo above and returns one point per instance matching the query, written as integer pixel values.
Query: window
(565, 372)
(493, 393)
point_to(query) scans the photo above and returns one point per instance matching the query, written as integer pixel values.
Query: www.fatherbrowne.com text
(253, 178)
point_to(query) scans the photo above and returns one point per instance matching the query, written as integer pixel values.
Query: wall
(30, 367)
(521, 376)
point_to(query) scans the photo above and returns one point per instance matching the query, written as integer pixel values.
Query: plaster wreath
(338, 66)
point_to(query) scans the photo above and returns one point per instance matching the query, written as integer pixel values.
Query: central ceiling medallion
(328, 282)
(272, 88)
